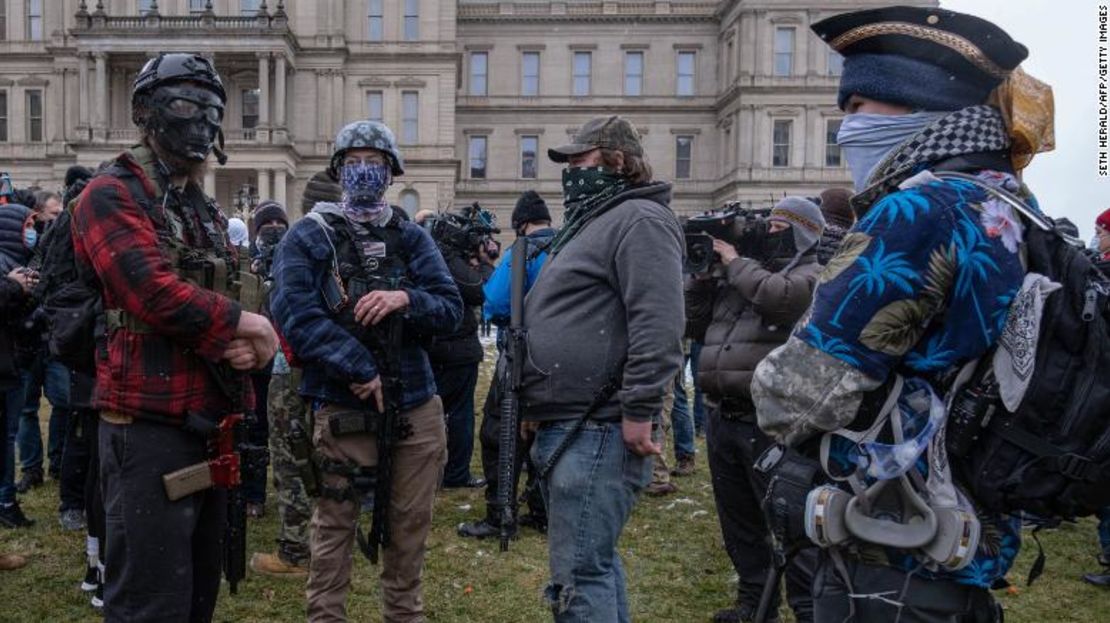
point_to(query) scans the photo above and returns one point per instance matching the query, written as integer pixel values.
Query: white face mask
(866, 138)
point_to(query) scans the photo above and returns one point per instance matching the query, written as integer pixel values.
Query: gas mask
(185, 120)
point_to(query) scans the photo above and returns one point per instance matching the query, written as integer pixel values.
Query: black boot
(487, 528)
(30, 479)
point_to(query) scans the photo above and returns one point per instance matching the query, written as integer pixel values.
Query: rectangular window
(780, 142)
(477, 152)
(784, 51)
(529, 146)
(250, 108)
(530, 74)
(836, 63)
(832, 150)
(3, 116)
(3, 21)
(249, 7)
(34, 20)
(683, 155)
(34, 116)
(374, 106)
(582, 70)
(684, 80)
(196, 6)
(374, 14)
(410, 117)
(479, 73)
(412, 20)
(633, 73)
(728, 60)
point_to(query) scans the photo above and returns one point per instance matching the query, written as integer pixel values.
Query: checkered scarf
(971, 130)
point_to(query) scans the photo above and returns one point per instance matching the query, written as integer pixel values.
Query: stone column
(263, 89)
(279, 187)
(264, 184)
(339, 99)
(101, 90)
(83, 90)
(279, 91)
(323, 91)
(210, 181)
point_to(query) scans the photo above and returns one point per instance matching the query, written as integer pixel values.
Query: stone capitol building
(736, 99)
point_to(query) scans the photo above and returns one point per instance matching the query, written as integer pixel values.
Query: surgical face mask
(30, 236)
(186, 120)
(866, 138)
(364, 185)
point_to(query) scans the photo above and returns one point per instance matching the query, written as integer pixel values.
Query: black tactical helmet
(170, 67)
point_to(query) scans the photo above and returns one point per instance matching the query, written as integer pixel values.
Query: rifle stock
(510, 402)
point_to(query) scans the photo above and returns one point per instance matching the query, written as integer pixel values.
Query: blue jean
(13, 406)
(682, 423)
(455, 386)
(699, 399)
(589, 495)
(54, 378)
(1104, 531)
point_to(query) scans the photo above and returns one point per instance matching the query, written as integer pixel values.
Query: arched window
(410, 201)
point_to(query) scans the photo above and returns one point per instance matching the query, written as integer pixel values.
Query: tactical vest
(367, 259)
(212, 266)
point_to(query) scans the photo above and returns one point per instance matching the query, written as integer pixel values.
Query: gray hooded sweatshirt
(609, 303)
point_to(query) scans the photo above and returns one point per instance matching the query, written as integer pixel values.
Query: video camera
(743, 228)
(464, 233)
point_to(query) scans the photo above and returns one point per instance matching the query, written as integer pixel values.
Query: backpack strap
(1038, 219)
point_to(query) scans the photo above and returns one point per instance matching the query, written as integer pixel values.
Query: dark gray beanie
(321, 188)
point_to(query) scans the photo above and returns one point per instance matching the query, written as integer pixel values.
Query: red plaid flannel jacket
(158, 373)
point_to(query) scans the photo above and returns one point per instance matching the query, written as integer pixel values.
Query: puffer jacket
(741, 314)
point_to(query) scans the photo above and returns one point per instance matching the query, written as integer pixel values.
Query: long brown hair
(634, 168)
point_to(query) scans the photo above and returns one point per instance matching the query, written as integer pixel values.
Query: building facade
(735, 99)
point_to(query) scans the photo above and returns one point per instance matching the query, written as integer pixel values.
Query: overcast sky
(1062, 37)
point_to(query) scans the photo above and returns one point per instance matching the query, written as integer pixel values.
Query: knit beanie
(805, 219)
(237, 231)
(268, 210)
(1103, 220)
(321, 188)
(908, 81)
(529, 207)
(837, 208)
(12, 217)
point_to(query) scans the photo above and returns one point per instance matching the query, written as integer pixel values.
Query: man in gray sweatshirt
(605, 323)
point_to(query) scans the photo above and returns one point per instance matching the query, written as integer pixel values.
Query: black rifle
(235, 531)
(390, 430)
(510, 399)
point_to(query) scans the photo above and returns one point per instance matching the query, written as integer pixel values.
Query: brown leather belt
(112, 417)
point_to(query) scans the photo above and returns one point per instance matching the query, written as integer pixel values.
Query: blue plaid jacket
(331, 357)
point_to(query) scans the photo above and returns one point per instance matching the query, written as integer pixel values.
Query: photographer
(455, 356)
(745, 307)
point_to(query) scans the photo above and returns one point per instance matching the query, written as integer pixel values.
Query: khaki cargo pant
(418, 466)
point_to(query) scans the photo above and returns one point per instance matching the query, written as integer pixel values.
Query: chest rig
(189, 236)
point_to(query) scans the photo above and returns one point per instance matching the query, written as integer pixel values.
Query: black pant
(490, 437)
(163, 558)
(738, 490)
(455, 386)
(94, 501)
(77, 455)
(923, 601)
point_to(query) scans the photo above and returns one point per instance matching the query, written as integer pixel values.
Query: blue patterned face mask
(364, 186)
(866, 138)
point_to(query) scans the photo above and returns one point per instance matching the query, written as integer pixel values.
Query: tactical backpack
(70, 297)
(1050, 457)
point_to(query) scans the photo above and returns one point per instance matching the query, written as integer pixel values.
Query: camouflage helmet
(367, 135)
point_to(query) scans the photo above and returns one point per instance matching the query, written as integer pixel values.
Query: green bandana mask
(586, 191)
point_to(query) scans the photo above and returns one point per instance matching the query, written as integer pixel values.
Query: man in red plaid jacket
(158, 248)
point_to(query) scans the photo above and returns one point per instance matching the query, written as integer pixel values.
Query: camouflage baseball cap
(613, 132)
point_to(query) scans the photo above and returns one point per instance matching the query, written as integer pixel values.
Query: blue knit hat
(908, 81)
(12, 217)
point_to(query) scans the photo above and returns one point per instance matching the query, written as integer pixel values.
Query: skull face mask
(186, 120)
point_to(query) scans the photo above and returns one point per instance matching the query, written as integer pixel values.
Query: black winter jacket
(462, 347)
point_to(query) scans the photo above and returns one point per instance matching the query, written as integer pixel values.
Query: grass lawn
(672, 549)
